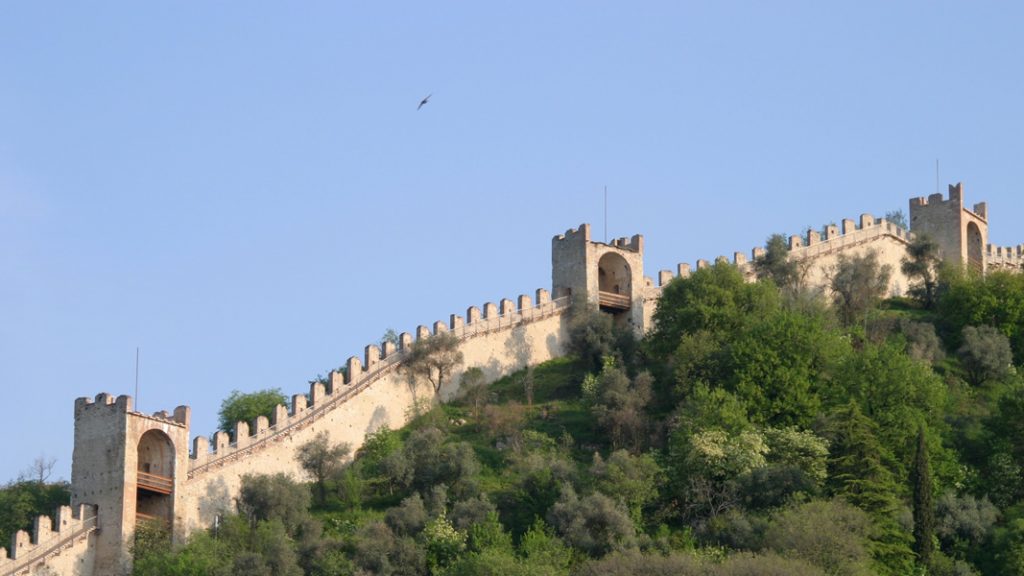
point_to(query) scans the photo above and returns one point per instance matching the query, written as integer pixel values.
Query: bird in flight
(424, 101)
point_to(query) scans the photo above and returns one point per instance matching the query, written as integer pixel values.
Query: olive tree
(595, 523)
(921, 265)
(434, 358)
(322, 461)
(985, 354)
(857, 284)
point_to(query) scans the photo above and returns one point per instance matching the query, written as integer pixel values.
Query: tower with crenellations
(609, 276)
(961, 234)
(129, 466)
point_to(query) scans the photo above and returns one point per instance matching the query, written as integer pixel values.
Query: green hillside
(756, 430)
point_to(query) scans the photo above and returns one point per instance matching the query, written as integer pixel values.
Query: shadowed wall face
(975, 248)
(155, 478)
(613, 275)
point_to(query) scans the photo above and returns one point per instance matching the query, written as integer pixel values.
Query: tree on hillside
(619, 406)
(434, 358)
(594, 336)
(430, 461)
(924, 512)
(922, 341)
(859, 472)
(709, 466)
(921, 265)
(322, 461)
(1003, 468)
(832, 535)
(23, 501)
(985, 354)
(245, 407)
(995, 299)
(963, 523)
(595, 523)
(389, 337)
(777, 364)
(591, 336)
(40, 469)
(473, 386)
(632, 480)
(715, 300)
(381, 461)
(857, 284)
(898, 218)
(897, 394)
(274, 497)
(775, 264)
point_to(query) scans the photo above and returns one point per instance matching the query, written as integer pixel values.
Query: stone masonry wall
(65, 544)
(818, 255)
(1005, 257)
(499, 341)
(500, 338)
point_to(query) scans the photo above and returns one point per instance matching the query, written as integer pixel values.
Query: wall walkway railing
(385, 366)
(47, 548)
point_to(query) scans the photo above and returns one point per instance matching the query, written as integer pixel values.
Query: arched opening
(155, 478)
(614, 284)
(975, 248)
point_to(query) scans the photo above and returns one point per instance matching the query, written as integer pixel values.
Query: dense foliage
(751, 432)
(246, 407)
(23, 500)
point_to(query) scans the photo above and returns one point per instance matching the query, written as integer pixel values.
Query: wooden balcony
(613, 301)
(154, 483)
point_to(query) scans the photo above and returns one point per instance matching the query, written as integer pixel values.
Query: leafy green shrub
(985, 354)
(595, 524)
(245, 407)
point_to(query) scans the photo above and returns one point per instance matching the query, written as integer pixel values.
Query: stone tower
(610, 276)
(961, 234)
(131, 466)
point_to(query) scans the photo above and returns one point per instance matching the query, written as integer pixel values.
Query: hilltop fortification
(130, 467)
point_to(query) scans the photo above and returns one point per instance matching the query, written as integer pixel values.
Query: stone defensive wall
(1004, 257)
(370, 393)
(63, 543)
(817, 252)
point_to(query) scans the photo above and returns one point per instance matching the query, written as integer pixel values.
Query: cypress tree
(924, 512)
(859, 472)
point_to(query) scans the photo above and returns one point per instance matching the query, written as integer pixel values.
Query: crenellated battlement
(105, 404)
(160, 475)
(103, 401)
(581, 234)
(954, 202)
(937, 199)
(1005, 257)
(813, 243)
(869, 228)
(49, 537)
(634, 243)
(360, 373)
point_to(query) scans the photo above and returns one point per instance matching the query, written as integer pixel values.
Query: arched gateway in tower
(128, 465)
(608, 275)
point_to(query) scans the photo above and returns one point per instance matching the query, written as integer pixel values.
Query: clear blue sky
(246, 191)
